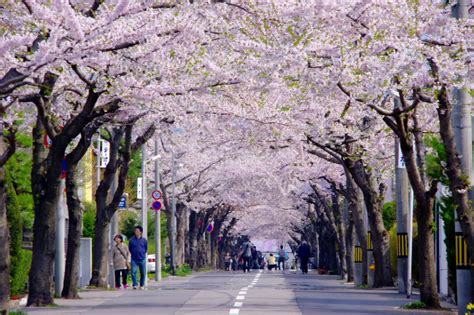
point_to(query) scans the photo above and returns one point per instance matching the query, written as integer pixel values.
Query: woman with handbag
(121, 258)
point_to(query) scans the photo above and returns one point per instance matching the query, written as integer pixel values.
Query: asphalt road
(257, 293)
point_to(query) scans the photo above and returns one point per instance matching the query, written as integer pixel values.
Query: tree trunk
(75, 211)
(4, 239)
(356, 209)
(459, 182)
(181, 229)
(350, 250)
(373, 201)
(100, 251)
(341, 234)
(429, 288)
(193, 239)
(414, 161)
(44, 227)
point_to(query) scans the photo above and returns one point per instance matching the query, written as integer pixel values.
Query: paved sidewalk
(323, 294)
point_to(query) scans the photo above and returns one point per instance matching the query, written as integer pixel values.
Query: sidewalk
(90, 298)
(330, 295)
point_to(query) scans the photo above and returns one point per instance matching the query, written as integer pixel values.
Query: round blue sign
(156, 205)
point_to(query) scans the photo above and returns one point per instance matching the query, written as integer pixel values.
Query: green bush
(128, 221)
(389, 214)
(89, 220)
(19, 278)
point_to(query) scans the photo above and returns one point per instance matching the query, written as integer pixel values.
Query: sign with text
(401, 159)
(104, 153)
(139, 188)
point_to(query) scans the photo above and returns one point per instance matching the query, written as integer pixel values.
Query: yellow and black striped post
(358, 254)
(462, 257)
(370, 244)
(402, 245)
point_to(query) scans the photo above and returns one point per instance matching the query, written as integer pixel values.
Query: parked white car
(150, 263)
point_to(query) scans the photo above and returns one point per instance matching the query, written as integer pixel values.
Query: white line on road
(238, 304)
(250, 286)
(240, 297)
(242, 292)
(234, 311)
(244, 289)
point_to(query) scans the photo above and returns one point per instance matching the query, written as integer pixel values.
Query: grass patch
(362, 286)
(18, 313)
(415, 305)
(184, 271)
(181, 271)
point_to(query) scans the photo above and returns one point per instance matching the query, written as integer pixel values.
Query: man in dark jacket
(303, 254)
(138, 247)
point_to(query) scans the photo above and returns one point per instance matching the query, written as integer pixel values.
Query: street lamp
(175, 130)
(144, 214)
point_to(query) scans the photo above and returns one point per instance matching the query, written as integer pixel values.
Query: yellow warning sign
(462, 259)
(402, 245)
(370, 244)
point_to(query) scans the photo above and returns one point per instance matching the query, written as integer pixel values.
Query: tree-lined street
(176, 136)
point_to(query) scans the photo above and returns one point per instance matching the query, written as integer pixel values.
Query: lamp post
(144, 213)
(173, 214)
(461, 117)
(157, 218)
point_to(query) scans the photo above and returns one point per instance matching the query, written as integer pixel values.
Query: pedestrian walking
(121, 260)
(303, 254)
(138, 247)
(227, 261)
(254, 264)
(246, 255)
(281, 258)
(271, 262)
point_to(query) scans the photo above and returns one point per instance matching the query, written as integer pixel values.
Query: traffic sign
(123, 202)
(156, 205)
(210, 228)
(156, 194)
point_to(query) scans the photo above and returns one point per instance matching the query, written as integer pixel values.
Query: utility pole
(370, 253)
(59, 259)
(157, 218)
(410, 243)
(402, 191)
(173, 214)
(113, 232)
(144, 201)
(463, 135)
